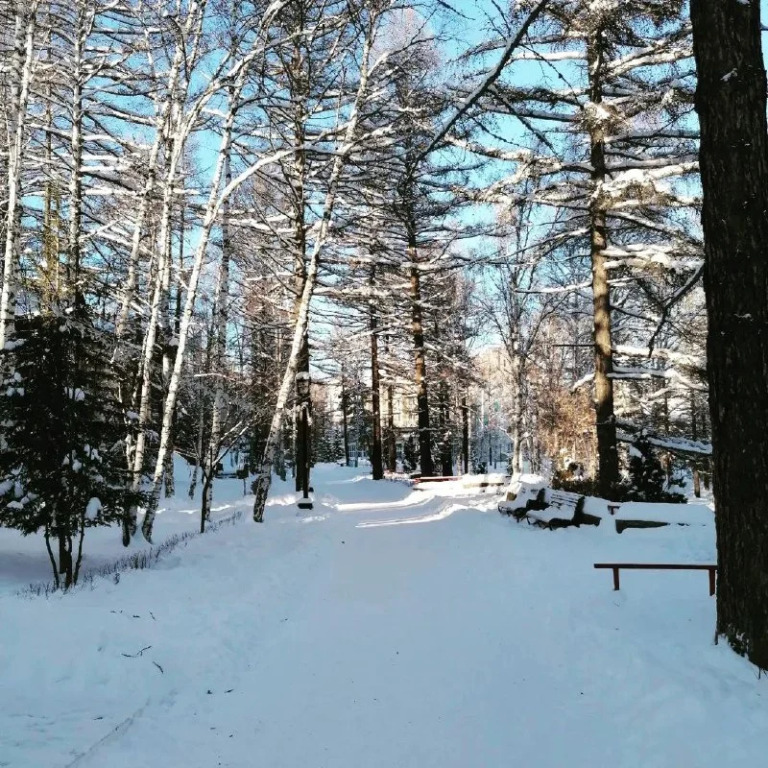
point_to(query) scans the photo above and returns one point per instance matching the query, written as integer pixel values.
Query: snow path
(409, 632)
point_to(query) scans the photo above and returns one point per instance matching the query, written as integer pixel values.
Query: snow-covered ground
(24, 560)
(390, 628)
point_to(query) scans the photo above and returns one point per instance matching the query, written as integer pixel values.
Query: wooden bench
(515, 502)
(484, 481)
(559, 513)
(646, 515)
(616, 567)
(441, 479)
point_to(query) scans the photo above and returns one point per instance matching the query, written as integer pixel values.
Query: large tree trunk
(517, 416)
(731, 102)
(446, 436)
(303, 391)
(303, 402)
(465, 433)
(377, 459)
(422, 399)
(158, 318)
(345, 424)
(391, 437)
(608, 457)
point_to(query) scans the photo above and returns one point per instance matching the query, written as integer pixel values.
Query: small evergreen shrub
(62, 457)
(562, 480)
(647, 478)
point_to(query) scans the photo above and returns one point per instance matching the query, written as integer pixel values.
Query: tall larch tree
(731, 102)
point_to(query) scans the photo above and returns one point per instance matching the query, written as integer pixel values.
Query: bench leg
(616, 579)
(711, 581)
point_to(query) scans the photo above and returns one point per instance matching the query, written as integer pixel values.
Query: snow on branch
(489, 80)
(673, 444)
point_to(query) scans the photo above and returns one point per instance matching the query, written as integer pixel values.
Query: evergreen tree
(62, 460)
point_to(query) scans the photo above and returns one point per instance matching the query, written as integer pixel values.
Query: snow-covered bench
(638, 514)
(437, 479)
(560, 512)
(518, 493)
(484, 481)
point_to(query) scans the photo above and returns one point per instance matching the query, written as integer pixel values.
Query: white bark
(22, 70)
(218, 197)
(518, 367)
(193, 21)
(218, 362)
(173, 131)
(212, 210)
(76, 142)
(264, 480)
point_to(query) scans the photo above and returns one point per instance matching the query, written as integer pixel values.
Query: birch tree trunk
(212, 210)
(76, 149)
(192, 26)
(218, 363)
(148, 191)
(25, 17)
(263, 481)
(176, 130)
(517, 415)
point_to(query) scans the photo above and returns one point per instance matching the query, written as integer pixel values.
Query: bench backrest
(564, 498)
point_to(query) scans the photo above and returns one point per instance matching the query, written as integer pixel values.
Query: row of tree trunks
(218, 195)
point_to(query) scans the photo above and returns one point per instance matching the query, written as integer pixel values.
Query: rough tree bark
(417, 330)
(465, 433)
(391, 438)
(446, 437)
(377, 459)
(608, 457)
(731, 103)
(517, 416)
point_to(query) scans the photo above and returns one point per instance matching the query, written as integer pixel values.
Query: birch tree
(368, 20)
(23, 59)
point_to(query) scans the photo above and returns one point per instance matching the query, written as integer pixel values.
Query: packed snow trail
(413, 631)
